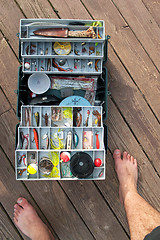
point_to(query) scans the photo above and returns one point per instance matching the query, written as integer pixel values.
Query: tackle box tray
(52, 141)
(74, 55)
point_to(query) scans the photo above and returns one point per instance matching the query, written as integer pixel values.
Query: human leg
(142, 217)
(28, 221)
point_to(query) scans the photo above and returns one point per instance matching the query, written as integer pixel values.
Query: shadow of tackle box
(30, 155)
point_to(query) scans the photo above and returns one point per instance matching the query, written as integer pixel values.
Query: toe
(15, 220)
(17, 207)
(16, 215)
(22, 202)
(125, 155)
(135, 162)
(129, 157)
(117, 154)
(132, 159)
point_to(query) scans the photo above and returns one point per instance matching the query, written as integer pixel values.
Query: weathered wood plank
(154, 9)
(8, 71)
(134, 109)
(4, 106)
(7, 230)
(37, 9)
(8, 123)
(94, 210)
(9, 23)
(49, 196)
(70, 9)
(129, 50)
(11, 190)
(143, 25)
(110, 190)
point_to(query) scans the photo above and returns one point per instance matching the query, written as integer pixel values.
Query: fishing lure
(23, 157)
(96, 64)
(86, 123)
(75, 139)
(36, 138)
(69, 141)
(27, 116)
(55, 65)
(45, 136)
(36, 115)
(46, 117)
(98, 115)
(23, 138)
(97, 140)
(20, 172)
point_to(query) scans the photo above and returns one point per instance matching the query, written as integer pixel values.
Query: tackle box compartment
(50, 54)
(37, 49)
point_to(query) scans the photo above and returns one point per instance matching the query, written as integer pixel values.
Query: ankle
(129, 194)
(41, 233)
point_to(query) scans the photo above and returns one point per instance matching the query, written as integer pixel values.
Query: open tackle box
(55, 140)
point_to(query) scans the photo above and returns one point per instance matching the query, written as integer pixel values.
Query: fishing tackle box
(27, 26)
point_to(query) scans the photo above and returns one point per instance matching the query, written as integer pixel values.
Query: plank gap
(56, 11)
(110, 207)
(10, 220)
(76, 210)
(134, 82)
(135, 35)
(10, 45)
(20, 8)
(135, 136)
(87, 9)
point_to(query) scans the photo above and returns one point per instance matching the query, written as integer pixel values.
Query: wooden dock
(87, 210)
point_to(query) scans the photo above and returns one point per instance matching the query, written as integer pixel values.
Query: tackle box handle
(107, 37)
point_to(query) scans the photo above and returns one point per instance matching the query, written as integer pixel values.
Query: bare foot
(127, 173)
(28, 221)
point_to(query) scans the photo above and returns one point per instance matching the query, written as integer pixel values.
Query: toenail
(117, 152)
(19, 200)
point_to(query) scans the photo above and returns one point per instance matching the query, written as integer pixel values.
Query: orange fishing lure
(36, 138)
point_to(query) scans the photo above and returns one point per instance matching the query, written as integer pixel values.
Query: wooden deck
(87, 210)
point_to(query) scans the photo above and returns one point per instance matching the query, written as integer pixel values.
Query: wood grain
(94, 210)
(143, 25)
(8, 123)
(7, 229)
(129, 50)
(70, 9)
(9, 22)
(134, 109)
(4, 106)
(154, 9)
(9, 72)
(110, 190)
(37, 9)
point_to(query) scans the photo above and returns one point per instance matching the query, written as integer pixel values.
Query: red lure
(36, 138)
